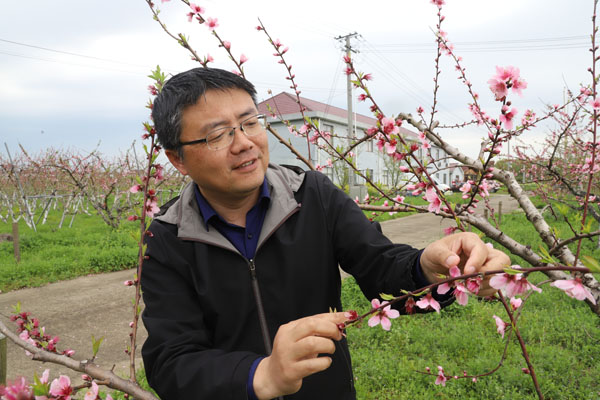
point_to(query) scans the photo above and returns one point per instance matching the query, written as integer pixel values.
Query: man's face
(234, 172)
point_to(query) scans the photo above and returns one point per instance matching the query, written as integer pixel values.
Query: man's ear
(177, 161)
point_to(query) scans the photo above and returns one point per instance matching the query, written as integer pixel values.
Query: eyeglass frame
(227, 130)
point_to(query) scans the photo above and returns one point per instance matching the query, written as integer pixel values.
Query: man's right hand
(295, 353)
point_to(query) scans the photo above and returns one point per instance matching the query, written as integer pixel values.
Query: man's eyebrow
(250, 111)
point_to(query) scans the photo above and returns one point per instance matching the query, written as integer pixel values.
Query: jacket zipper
(259, 305)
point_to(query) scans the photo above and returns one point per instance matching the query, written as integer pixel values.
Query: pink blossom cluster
(513, 284)
(29, 330)
(59, 389)
(196, 12)
(461, 289)
(506, 78)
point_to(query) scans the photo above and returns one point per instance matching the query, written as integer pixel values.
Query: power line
(70, 53)
(69, 63)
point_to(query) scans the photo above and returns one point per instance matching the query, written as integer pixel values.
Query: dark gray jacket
(201, 312)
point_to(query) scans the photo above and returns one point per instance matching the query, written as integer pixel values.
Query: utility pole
(351, 131)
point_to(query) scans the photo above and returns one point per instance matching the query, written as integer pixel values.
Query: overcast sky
(73, 73)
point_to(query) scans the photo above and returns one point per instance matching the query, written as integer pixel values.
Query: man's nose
(241, 142)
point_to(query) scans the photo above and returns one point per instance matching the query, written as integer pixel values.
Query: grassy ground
(52, 254)
(564, 343)
(563, 336)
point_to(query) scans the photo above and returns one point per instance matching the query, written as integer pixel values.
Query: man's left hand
(465, 250)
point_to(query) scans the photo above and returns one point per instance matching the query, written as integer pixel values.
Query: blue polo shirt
(244, 239)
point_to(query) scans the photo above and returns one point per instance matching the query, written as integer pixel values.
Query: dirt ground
(100, 305)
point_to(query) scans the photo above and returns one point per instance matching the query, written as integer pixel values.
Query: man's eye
(250, 124)
(216, 137)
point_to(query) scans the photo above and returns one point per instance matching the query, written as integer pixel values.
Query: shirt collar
(208, 212)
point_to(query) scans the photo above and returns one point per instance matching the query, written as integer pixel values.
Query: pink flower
(507, 116)
(151, 208)
(25, 336)
(388, 125)
(92, 392)
(196, 9)
(518, 85)
(461, 294)
(212, 23)
(449, 231)
(243, 59)
(434, 201)
(515, 302)
(500, 326)
(362, 97)
(368, 77)
(152, 89)
(428, 301)
(445, 287)
(483, 189)
(226, 44)
(383, 316)
(574, 288)
(441, 378)
(135, 188)
(474, 284)
(499, 88)
(465, 188)
(209, 58)
(595, 104)
(61, 388)
(17, 390)
(512, 284)
(438, 3)
(390, 147)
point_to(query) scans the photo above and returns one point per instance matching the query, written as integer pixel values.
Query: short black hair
(184, 89)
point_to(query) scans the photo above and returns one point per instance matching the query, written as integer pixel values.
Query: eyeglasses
(223, 137)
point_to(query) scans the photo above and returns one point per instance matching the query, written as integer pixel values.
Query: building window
(369, 145)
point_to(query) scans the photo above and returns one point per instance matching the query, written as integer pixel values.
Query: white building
(369, 159)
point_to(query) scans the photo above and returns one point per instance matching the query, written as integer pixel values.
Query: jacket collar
(283, 182)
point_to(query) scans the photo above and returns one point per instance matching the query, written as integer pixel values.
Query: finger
(476, 251)
(496, 260)
(313, 365)
(311, 346)
(325, 325)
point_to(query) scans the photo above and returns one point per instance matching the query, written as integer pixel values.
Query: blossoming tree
(568, 270)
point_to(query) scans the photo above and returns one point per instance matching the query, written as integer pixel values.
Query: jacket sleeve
(377, 264)
(179, 358)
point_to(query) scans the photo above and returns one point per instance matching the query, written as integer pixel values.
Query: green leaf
(591, 263)
(588, 227)
(546, 257)
(17, 308)
(562, 208)
(96, 345)
(512, 271)
(387, 297)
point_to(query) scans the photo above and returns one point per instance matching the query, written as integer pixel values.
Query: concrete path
(100, 305)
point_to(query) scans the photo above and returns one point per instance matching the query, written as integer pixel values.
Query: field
(562, 335)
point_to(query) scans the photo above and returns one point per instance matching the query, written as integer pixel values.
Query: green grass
(562, 335)
(563, 341)
(52, 254)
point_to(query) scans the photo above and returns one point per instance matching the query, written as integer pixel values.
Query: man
(243, 267)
